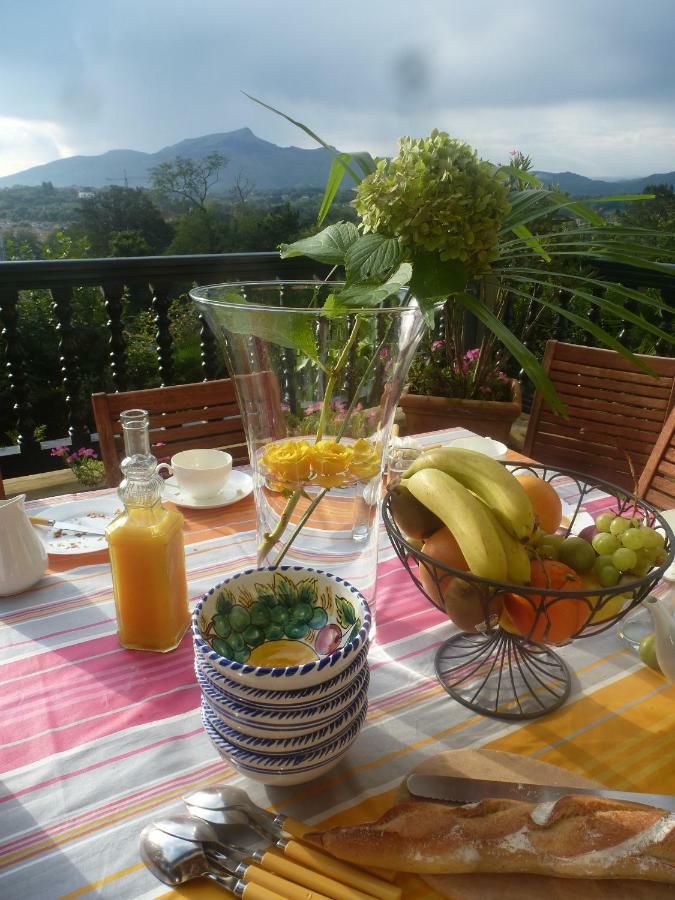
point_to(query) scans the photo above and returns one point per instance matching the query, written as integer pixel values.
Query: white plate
(487, 446)
(99, 511)
(238, 486)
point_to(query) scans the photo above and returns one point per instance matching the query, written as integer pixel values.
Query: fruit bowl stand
(506, 675)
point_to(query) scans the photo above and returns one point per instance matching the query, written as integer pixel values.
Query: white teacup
(201, 473)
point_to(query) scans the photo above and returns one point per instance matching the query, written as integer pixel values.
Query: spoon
(175, 860)
(190, 828)
(224, 805)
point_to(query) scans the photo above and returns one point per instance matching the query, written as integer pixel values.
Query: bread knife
(68, 526)
(453, 789)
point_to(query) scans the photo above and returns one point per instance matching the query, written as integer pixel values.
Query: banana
(487, 478)
(517, 558)
(466, 517)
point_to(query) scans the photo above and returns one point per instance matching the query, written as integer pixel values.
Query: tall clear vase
(318, 393)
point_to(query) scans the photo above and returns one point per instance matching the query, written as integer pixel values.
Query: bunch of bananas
(478, 500)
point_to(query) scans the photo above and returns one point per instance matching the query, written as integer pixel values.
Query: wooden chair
(657, 483)
(204, 414)
(615, 411)
(2, 488)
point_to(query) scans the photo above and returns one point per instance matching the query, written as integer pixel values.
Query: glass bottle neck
(141, 486)
(136, 432)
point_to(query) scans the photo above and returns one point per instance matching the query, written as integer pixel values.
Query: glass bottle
(147, 552)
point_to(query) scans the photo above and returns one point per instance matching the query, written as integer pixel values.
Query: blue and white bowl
(282, 628)
(312, 739)
(261, 698)
(284, 769)
(283, 721)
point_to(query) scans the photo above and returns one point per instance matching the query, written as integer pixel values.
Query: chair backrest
(657, 483)
(204, 414)
(615, 412)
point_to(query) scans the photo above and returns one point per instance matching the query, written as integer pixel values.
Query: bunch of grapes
(286, 613)
(625, 546)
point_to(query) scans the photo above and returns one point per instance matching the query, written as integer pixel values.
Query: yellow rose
(365, 460)
(288, 461)
(330, 462)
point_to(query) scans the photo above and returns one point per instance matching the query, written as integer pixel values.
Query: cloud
(572, 81)
(26, 143)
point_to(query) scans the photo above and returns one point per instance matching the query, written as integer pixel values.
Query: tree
(657, 214)
(188, 178)
(120, 209)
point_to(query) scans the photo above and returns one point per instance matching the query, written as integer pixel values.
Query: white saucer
(487, 446)
(238, 486)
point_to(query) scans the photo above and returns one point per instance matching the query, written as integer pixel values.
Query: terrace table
(97, 741)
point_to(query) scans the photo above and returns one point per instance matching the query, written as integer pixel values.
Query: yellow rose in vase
(288, 461)
(365, 462)
(330, 462)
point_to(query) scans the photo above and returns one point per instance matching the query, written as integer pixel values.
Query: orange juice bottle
(147, 552)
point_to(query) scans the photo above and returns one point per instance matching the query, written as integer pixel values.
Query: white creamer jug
(23, 557)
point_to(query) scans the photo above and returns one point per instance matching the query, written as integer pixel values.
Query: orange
(542, 617)
(545, 501)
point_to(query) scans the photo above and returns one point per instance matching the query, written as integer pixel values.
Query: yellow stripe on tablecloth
(621, 734)
(79, 892)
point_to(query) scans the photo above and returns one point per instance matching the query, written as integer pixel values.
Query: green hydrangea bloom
(437, 196)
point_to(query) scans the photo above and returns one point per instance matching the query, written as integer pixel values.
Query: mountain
(265, 165)
(580, 186)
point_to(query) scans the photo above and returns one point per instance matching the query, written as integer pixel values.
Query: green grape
(221, 626)
(260, 614)
(577, 553)
(651, 538)
(661, 557)
(266, 596)
(242, 655)
(253, 636)
(240, 618)
(648, 555)
(604, 543)
(604, 522)
(236, 641)
(279, 615)
(319, 618)
(618, 526)
(296, 630)
(608, 575)
(274, 632)
(601, 562)
(633, 539)
(549, 546)
(625, 559)
(223, 647)
(301, 612)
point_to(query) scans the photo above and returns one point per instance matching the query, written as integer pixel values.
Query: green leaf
(353, 633)
(512, 171)
(366, 295)
(328, 246)
(365, 162)
(372, 255)
(524, 232)
(434, 278)
(307, 131)
(292, 331)
(284, 590)
(345, 613)
(306, 591)
(335, 176)
(518, 350)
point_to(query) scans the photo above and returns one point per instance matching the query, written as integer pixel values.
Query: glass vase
(318, 393)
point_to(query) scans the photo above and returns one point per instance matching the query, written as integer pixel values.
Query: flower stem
(272, 537)
(305, 516)
(332, 377)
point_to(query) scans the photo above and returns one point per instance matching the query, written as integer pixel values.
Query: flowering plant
(84, 463)
(474, 376)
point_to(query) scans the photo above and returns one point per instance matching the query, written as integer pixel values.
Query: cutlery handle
(310, 878)
(298, 829)
(39, 520)
(343, 872)
(258, 892)
(289, 890)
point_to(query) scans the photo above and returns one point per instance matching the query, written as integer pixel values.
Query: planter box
(488, 418)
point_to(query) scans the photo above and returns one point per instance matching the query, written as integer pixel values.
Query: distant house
(85, 195)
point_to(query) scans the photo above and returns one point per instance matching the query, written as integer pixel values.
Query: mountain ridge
(265, 165)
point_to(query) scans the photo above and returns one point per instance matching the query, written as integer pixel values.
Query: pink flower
(514, 153)
(59, 451)
(437, 345)
(484, 389)
(384, 353)
(470, 355)
(313, 407)
(72, 458)
(503, 377)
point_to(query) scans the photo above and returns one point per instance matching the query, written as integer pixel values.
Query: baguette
(574, 837)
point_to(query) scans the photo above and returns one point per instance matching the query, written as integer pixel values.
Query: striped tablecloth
(96, 741)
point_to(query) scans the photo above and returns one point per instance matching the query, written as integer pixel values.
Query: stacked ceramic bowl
(281, 658)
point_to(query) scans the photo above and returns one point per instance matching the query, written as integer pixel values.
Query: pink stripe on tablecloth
(111, 721)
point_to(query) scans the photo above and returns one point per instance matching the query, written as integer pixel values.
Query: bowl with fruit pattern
(281, 628)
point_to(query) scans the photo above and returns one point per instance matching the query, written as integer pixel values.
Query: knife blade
(68, 526)
(454, 789)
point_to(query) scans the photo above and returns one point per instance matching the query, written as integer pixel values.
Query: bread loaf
(574, 837)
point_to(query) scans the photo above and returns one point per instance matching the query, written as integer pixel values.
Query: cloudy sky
(580, 85)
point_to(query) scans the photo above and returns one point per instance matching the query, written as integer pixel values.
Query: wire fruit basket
(516, 676)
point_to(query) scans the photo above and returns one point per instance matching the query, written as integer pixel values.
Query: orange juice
(147, 555)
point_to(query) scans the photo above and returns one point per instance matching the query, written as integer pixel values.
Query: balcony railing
(157, 280)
